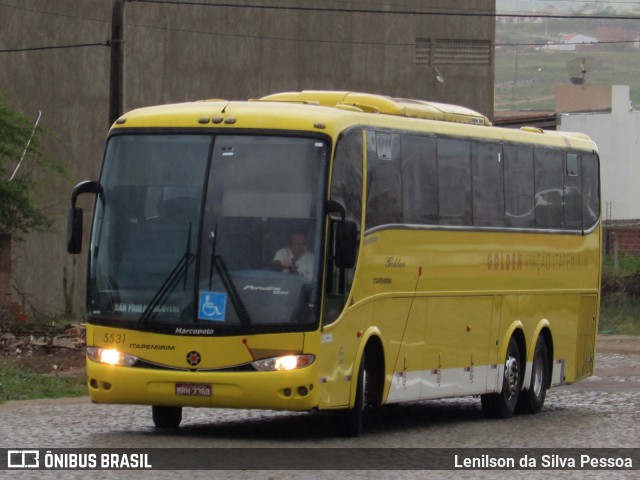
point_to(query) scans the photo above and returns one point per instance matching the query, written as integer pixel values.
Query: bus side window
(549, 188)
(519, 188)
(346, 188)
(454, 181)
(488, 194)
(572, 193)
(384, 179)
(419, 180)
(590, 190)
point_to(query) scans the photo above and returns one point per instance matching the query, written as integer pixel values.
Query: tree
(19, 210)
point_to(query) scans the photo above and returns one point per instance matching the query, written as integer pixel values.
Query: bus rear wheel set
(512, 398)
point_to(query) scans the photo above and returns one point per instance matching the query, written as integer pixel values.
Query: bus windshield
(218, 232)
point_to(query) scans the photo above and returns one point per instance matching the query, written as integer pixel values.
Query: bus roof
(364, 102)
(331, 112)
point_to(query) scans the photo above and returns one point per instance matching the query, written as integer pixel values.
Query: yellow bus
(325, 250)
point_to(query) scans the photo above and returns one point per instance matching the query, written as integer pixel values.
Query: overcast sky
(562, 5)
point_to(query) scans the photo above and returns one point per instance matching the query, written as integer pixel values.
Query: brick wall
(628, 240)
(9, 309)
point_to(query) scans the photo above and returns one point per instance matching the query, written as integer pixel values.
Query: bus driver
(295, 258)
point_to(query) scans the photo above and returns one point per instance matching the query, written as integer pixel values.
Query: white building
(604, 112)
(574, 41)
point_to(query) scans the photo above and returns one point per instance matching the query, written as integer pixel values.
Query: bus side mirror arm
(74, 224)
(335, 207)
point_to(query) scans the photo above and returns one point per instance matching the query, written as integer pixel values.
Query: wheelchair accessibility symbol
(213, 306)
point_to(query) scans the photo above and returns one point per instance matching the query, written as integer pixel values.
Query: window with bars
(452, 52)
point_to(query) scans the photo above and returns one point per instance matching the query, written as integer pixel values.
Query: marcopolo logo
(193, 358)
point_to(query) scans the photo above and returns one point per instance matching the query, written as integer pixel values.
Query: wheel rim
(537, 374)
(365, 389)
(512, 376)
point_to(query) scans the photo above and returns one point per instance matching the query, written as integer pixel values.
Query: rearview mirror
(346, 244)
(74, 224)
(74, 231)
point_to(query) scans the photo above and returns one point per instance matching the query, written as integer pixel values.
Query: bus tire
(532, 399)
(166, 417)
(503, 404)
(351, 420)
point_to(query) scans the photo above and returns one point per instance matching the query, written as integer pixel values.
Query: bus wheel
(352, 419)
(166, 417)
(503, 404)
(532, 400)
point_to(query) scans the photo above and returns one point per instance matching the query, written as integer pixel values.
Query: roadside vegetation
(17, 383)
(620, 305)
(21, 369)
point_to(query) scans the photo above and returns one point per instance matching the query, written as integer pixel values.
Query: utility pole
(116, 87)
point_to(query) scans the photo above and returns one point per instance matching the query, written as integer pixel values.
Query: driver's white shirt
(304, 264)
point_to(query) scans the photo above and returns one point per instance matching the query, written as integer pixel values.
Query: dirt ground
(58, 360)
(47, 354)
(52, 359)
(618, 344)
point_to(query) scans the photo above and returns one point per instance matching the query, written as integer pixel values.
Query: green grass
(619, 311)
(18, 384)
(627, 264)
(620, 316)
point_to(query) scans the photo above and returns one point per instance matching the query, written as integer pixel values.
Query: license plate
(193, 389)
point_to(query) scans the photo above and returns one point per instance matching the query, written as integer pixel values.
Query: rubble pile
(72, 339)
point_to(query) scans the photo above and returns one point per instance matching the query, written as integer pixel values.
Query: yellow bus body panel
(450, 302)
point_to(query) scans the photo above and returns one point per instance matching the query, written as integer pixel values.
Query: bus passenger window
(590, 190)
(454, 182)
(519, 191)
(572, 194)
(549, 188)
(488, 195)
(419, 180)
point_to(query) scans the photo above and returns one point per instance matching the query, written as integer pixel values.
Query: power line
(302, 40)
(54, 47)
(284, 39)
(474, 13)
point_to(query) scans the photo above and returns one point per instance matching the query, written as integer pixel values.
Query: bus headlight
(279, 364)
(111, 356)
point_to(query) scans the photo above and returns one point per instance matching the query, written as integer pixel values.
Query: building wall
(175, 53)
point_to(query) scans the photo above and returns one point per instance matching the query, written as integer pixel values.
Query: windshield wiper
(230, 287)
(218, 264)
(181, 269)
